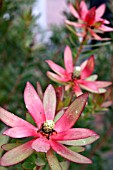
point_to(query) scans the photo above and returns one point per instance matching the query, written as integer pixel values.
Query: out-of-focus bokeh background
(32, 31)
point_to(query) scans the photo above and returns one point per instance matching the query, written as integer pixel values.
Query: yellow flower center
(77, 72)
(48, 126)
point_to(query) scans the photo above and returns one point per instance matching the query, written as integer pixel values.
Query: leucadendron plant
(90, 21)
(49, 134)
(77, 77)
(50, 137)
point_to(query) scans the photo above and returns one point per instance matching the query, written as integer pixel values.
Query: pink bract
(47, 135)
(77, 77)
(89, 20)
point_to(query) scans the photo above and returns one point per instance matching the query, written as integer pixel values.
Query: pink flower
(49, 133)
(90, 20)
(77, 76)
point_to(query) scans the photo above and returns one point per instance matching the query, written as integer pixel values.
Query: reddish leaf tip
(28, 83)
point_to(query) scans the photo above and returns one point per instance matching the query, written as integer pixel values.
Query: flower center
(48, 126)
(77, 72)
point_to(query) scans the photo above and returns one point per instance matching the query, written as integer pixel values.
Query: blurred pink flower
(49, 134)
(77, 76)
(90, 20)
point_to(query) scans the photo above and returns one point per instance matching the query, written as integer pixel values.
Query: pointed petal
(41, 145)
(72, 114)
(89, 86)
(94, 35)
(83, 9)
(100, 11)
(105, 28)
(75, 24)
(57, 78)
(12, 120)
(56, 68)
(17, 154)
(90, 16)
(68, 154)
(73, 11)
(102, 84)
(74, 134)
(107, 104)
(105, 21)
(94, 86)
(34, 104)
(49, 102)
(77, 89)
(53, 161)
(80, 142)
(21, 132)
(88, 69)
(83, 65)
(101, 21)
(68, 60)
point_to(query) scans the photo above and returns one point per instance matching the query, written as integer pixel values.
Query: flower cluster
(49, 133)
(77, 77)
(89, 21)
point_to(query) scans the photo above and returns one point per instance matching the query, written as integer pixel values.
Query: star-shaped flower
(77, 77)
(49, 133)
(89, 20)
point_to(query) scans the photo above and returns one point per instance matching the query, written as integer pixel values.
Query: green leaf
(81, 142)
(3, 168)
(60, 105)
(40, 159)
(65, 165)
(29, 119)
(102, 90)
(67, 100)
(10, 146)
(28, 165)
(3, 140)
(77, 148)
(70, 29)
(53, 161)
(17, 154)
(58, 115)
(92, 77)
(98, 44)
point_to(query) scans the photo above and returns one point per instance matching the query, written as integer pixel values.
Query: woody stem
(80, 48)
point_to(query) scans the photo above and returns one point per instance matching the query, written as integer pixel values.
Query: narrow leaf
(65, 165)
(72, 114)
(80, 142)
(77, 148)
(53, 161)
(17, 154)
(10, 146)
